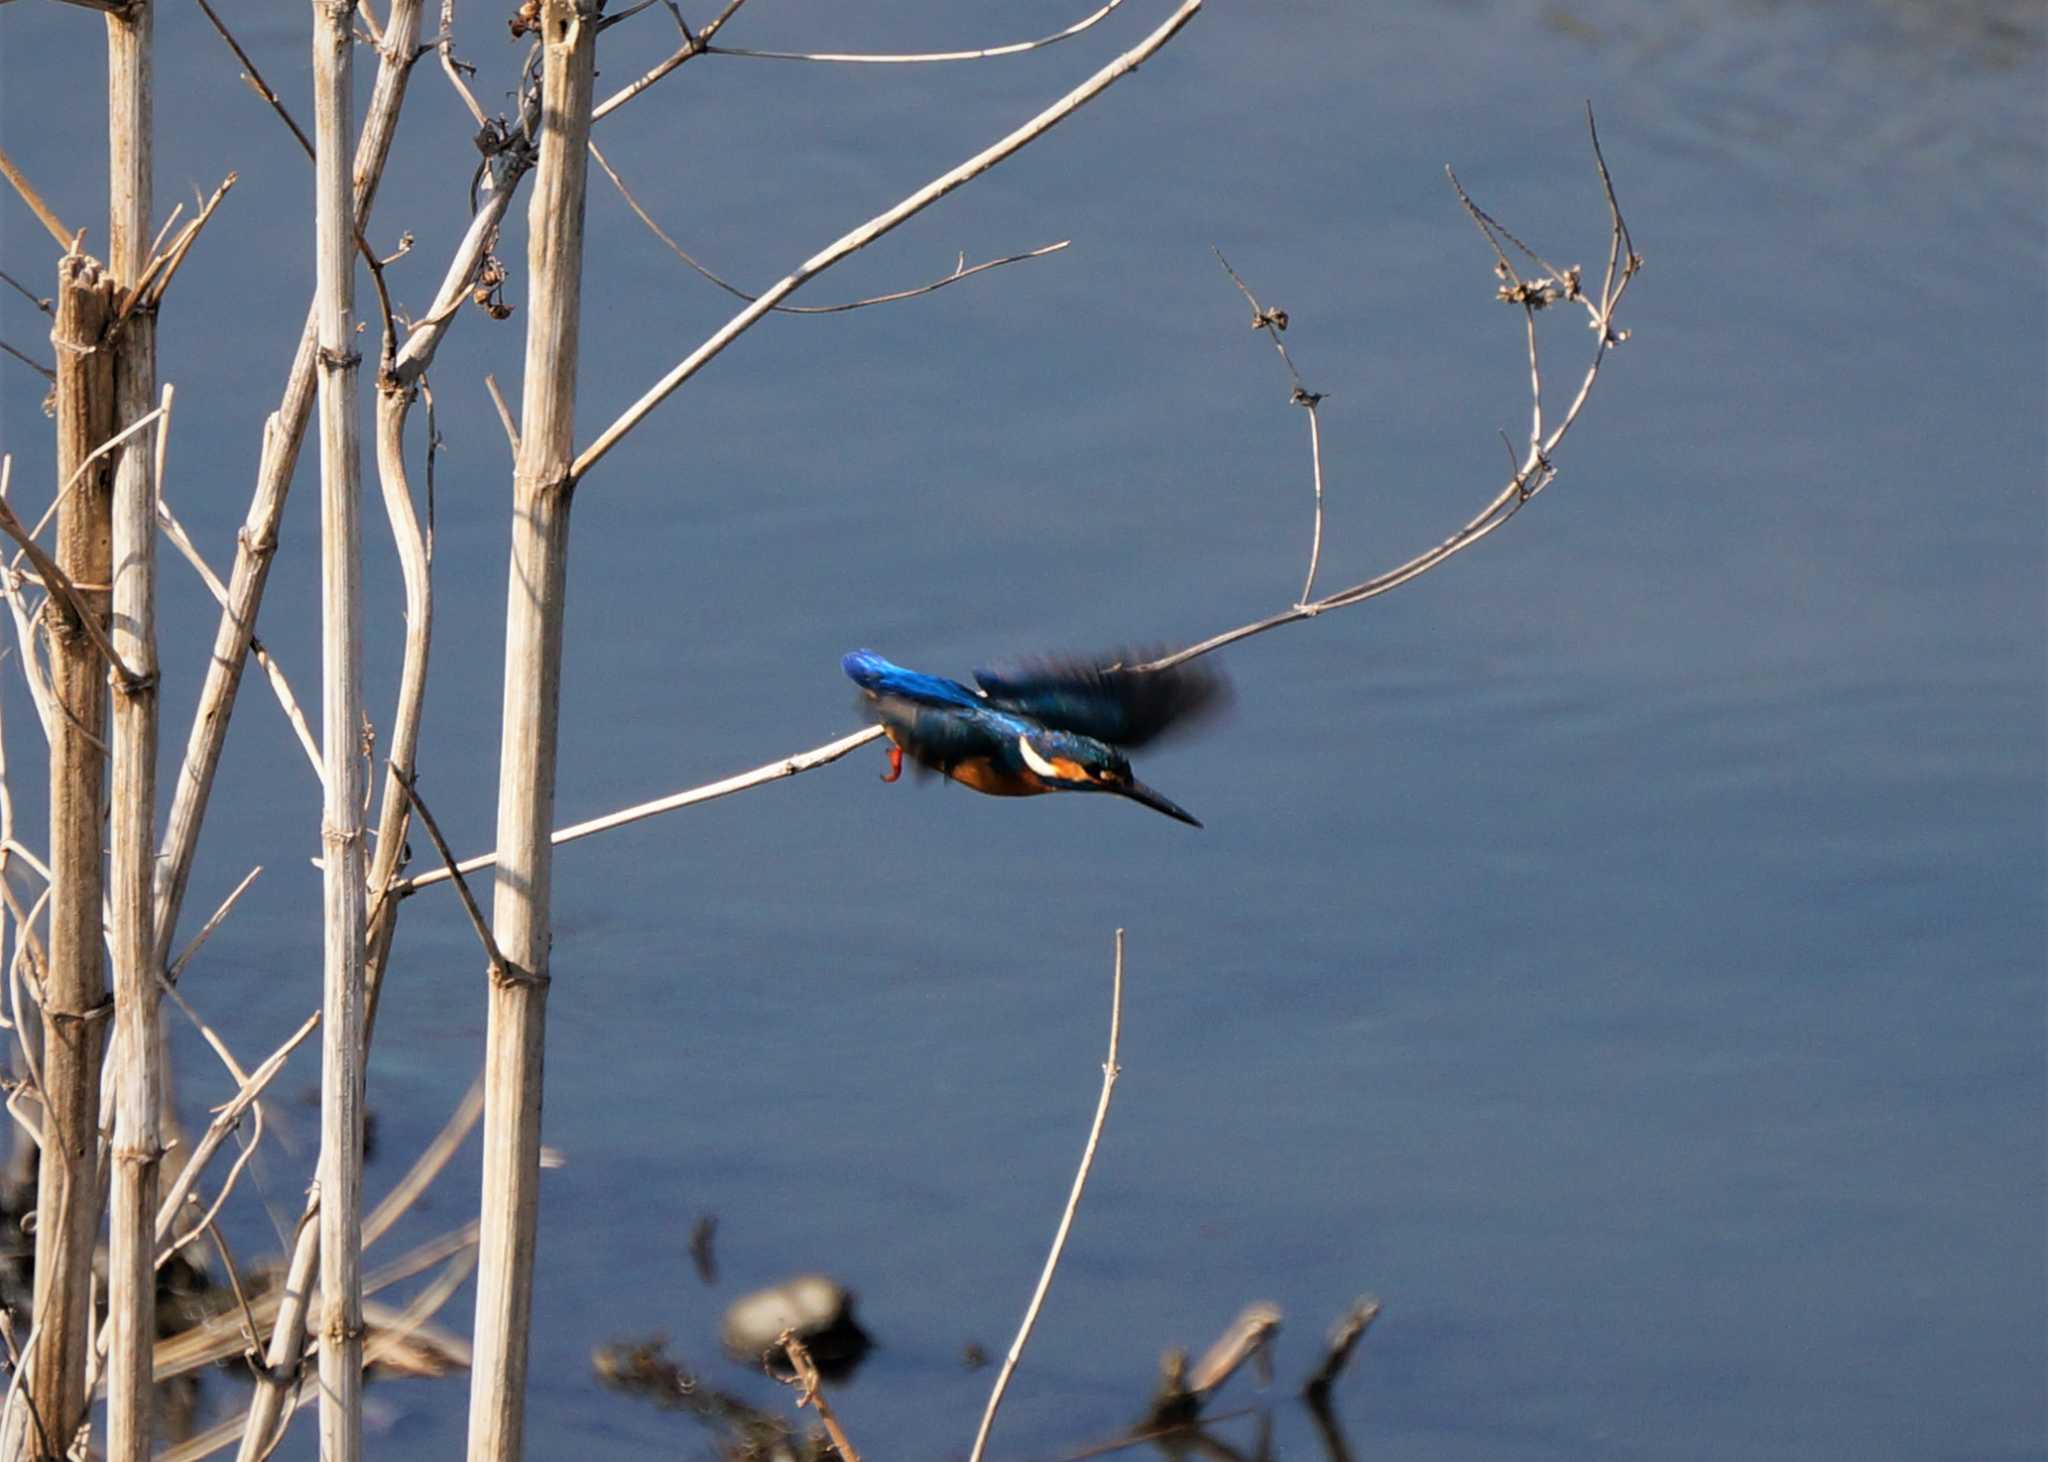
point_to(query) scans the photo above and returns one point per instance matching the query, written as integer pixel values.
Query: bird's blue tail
(877, 676)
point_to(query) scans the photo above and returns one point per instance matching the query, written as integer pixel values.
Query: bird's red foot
(895, 764)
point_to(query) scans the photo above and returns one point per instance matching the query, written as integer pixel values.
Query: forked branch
(1531, 472)
(1536, 468)
(881, 224)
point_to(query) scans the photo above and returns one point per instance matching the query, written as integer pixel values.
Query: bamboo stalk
(341, 832)
(75, 990)
(526, 776)
(138, 1092)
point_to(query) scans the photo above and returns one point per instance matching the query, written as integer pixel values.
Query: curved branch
(872, 58)
(882, 223)
(693, 45)
(961, 270)
(1536, 470)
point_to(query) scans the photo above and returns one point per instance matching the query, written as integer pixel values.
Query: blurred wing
(1088, 696)
(883, 679)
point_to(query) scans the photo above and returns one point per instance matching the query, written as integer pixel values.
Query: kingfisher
(1048, 724)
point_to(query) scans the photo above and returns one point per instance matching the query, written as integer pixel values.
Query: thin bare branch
(255, 78)
(881, 224)
(192, 945)
(788, 766)
(872, 58)
(1059, 1241)
(58, 583)
(39, 301)
(469, 906)
(504, 413)
(444, 45)
(30, 361)
(1537, 469)
(256, 544)
(279, 685)
(809, 1392)
(693, 45)
(34, 200)
(279, 1380)
(165, 264)
(1274, 322)
(961, 270)
(1315, 451)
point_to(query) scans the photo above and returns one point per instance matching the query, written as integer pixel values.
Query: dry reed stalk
(75, 991)
(256, 543)
(341, 817)
(138, 1086)
(284, 1357)
(526, 778)
(394, 401)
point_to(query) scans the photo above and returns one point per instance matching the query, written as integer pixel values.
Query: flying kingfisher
(1038, 725)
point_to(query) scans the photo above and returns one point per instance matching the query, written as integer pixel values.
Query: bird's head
(1069, 762)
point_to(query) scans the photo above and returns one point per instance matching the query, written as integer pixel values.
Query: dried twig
(881, 224)
(469, 905)
(34, 200)
(192, 945)
(504, 413)
(255, 78)
(287, 701)
(789, 766)
(256, 544)
(249, 1089)
(1273, 322)
(1059, 1241)
(30, 361)
(1536, 469)
(693, 45)
(278, 1382)
(59, 585)
(873, 58)
(961, 270)
(39, 301)
(157, 274)
(804, 1378)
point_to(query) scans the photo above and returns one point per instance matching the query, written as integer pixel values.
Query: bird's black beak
(1138, 792)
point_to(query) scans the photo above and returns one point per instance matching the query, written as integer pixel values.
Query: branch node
(507, 976)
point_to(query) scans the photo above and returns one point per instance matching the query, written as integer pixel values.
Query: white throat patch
(1036, 762)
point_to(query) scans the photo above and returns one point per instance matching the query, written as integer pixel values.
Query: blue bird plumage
(1042, 725)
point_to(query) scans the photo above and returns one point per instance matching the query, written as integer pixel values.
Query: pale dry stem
(809, 1392)
(961, 270)
(1059, 1242)
(913, 58)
